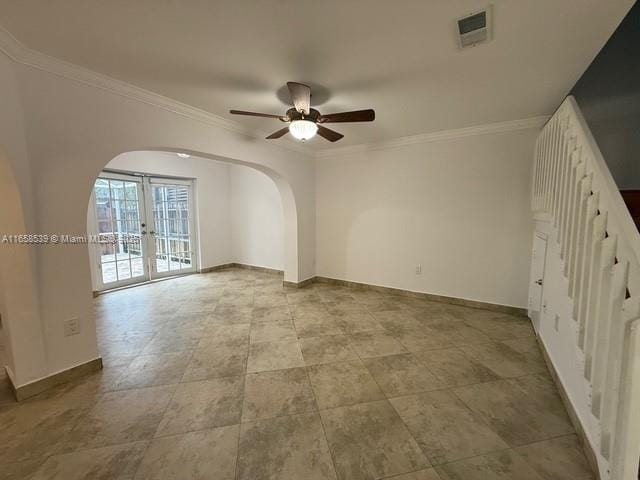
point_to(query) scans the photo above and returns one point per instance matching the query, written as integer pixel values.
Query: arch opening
(275, 245)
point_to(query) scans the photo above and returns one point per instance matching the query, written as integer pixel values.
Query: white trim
(25, 56)
(486, 129)
(32, 58)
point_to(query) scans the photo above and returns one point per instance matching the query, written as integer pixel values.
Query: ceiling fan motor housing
(292, 114)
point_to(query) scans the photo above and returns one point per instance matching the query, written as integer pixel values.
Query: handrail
(599, 247)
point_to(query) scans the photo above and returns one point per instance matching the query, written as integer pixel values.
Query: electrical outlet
(419, 269)
(71, 327)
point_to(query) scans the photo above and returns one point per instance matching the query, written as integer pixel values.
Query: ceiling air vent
(475, 28)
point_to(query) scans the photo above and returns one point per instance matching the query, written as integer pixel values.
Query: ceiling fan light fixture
(303, 129)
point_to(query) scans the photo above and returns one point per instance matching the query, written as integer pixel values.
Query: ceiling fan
(304, 121)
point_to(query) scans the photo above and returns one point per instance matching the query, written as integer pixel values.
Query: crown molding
(486, 129)
(19, 53)
(32, 58)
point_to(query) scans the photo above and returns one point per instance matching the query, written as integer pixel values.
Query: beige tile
(130, 344)
(429, 312)
(117, 462)
(540, 387)
(171, 340)
(35, 429)
(369, 441)
(119, 417)
(354, 322)
(376, 344)
(236, 299)
(315, 325)
(267, 300)
(302, 296)
(339, 308)
(201, 455)
(308, 309)
(346, 383)
(273, 331)
(427, 474)
(337, 296)
(291, 447)
(503, 360)
(445, 428)
(327, 349)
(274, 314)
(528, 346)
(156, 369)
(505, 465)
(459, 333)
(398, 321)
(499, 326)
(21, 470)
(221, 360)
(215, 334)
(188, 319)
(231, 315)
(266, 356)
(421, 339)
(519, 416)
(401, 375)
(206, 404)
(386, 304)
(557, 459)
(454, 368)
(274, 394)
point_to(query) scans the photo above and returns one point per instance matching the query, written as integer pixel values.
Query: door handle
(538, 282)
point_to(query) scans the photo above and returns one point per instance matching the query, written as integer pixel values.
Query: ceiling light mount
(304, 121)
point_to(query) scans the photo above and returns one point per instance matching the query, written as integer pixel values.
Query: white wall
(19, 306)
(459, 207)
(73, 128)
(211, 196)
(239, 209)
(257, 226)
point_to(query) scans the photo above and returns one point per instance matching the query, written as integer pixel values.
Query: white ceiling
(397, 56)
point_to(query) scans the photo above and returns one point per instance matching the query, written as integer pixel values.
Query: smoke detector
(475, 28)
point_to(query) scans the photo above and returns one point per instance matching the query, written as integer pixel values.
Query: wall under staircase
(585, 289)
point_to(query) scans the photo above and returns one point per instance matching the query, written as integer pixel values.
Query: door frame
(146, 215)
(96, 255)
(148, 180)
(537, 259)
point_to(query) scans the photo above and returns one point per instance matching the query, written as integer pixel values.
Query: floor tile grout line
(315, 399)
(370, 312)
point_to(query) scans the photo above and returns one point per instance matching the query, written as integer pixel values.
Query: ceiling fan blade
(301, 96)
(279, 133)
(368, 115)
(329, 134)
(254, 114)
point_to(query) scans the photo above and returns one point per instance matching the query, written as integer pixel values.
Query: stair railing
(600, 250)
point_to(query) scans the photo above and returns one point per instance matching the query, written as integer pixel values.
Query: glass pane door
(119, 209)
(172, 232)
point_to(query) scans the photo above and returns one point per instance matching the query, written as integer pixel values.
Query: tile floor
(229, 375)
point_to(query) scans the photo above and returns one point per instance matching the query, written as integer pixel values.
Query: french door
(145, 228)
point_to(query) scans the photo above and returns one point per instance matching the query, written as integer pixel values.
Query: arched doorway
(194, 172)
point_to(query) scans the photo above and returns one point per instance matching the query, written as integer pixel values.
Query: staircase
(588, 313)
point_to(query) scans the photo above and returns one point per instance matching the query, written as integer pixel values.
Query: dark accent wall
(609, 96)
